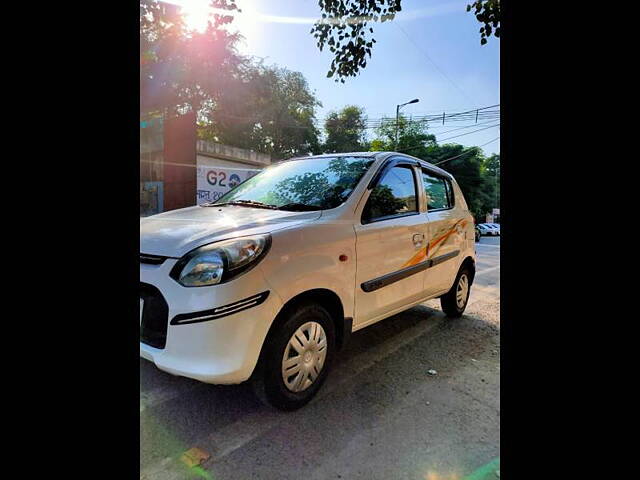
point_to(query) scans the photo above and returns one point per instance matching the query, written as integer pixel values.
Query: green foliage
(346, 131)
(492, 171)
(269, 109)
(412, 137)
(469, 171)
(474, 173)
(237, 101)
(343, 28)
(488, 13)
(182, 70)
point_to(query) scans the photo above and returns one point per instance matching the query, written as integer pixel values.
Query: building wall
(222, 167)
(151, 166)
(180, 162)
(177, 170)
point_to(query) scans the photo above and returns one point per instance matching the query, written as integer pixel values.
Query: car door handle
(418, 238)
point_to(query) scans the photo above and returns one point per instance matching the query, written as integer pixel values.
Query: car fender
(321, 255)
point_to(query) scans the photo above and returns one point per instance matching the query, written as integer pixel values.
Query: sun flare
(195, 14)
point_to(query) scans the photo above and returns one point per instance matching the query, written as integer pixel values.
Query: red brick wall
(180, 162)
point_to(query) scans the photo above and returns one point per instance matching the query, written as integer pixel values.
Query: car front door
(390, 235)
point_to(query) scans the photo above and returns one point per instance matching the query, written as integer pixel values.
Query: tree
(345, 130)
(343, 28)
(492, 166)
(181, 70)
(468, 168)
(269, 109)
(488, 13)
(474, 173)
(412, 137)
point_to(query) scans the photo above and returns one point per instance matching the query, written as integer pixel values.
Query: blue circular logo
(234, 180)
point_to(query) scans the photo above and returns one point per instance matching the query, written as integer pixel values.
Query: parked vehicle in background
(495, 226)
(268, 283)
(488, 229)
(485, 230)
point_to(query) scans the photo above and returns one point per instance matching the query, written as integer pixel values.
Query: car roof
(377, 156)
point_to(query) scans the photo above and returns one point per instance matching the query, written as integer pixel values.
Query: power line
(462, 128)
(421, 50)
(371, 123)
(469, 133)
(449, 138)
(468, 151)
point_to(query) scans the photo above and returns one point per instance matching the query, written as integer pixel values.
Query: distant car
(495, 226)
(486, 230)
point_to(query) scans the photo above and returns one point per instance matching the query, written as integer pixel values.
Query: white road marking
(158, 396)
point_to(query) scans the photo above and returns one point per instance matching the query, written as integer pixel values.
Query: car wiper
(242, 203)
(299, 207)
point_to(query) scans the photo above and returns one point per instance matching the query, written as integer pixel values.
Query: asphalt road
(380, 415)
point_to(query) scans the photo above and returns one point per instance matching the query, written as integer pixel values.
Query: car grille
(152, 259)
(155, 317)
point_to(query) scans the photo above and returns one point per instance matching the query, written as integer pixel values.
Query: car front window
(322, 183)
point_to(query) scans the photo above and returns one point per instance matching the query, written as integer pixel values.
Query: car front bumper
(212, 344)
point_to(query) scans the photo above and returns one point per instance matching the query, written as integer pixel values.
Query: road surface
(380, 415)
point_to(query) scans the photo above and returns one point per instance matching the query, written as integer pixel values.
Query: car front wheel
(297, 358)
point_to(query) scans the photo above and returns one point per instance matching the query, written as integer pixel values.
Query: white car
(488, 229)
(270, 281)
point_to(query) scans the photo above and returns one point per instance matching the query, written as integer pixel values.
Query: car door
(389, 238)
(446, 232)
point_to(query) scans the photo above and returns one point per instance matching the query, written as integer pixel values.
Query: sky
(430, 51)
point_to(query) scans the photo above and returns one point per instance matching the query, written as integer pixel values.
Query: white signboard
(213, 182)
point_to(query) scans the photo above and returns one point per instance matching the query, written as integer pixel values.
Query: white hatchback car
(270, 281)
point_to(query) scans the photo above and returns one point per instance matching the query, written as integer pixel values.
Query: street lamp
(415, 100)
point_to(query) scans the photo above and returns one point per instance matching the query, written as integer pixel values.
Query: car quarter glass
(437, 191)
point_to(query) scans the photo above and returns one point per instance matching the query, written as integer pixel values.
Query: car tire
(455, 301)
(269, 380)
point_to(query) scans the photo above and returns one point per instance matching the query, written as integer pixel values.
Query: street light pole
(415, 100)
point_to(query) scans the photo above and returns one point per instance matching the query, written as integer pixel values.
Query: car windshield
(307, 184)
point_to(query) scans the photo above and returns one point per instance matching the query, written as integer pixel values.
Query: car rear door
(390, 235)
(446, 232)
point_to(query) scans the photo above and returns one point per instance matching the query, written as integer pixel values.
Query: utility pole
(415, 100)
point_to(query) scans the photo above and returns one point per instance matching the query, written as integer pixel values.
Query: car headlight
(219, 262)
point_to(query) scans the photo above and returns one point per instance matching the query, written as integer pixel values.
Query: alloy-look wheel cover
(304, 357)
(462, 291)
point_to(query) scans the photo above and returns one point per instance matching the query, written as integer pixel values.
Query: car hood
(172, 234)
